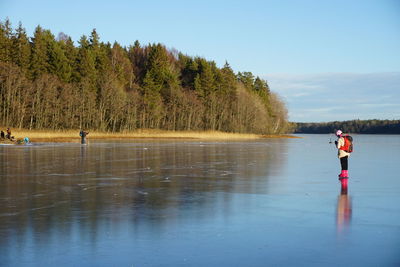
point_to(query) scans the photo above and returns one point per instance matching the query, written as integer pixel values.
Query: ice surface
(272, 202)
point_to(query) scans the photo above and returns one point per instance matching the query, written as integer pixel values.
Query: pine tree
(152, 103)
(247, 79)
(21, 48)
(58, 62)
(70, 52)
(228, 79)
(162, 72)
(86, 61)
(205, 81)
(6, 43)
(189, 71)
(39, 61)
(94, 39)
(260, 85)
(103, 56)
(137, 57)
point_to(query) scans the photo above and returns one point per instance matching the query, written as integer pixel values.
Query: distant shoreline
(72, 136)
(373, 126)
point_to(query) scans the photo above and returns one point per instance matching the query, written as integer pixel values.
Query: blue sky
(292, 44)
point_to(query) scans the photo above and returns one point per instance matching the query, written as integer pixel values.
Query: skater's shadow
(344, 210)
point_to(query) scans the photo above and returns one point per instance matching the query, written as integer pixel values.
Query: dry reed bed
(73, 135)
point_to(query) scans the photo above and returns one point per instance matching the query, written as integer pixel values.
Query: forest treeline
(352, 126)
(48, 82)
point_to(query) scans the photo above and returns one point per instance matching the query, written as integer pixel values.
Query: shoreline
(72, 136)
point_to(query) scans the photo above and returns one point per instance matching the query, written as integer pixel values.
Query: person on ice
(8, 136)
(342, 145)
(83, 135)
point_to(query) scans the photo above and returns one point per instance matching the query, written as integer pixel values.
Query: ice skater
(345, 147)
(83, 135)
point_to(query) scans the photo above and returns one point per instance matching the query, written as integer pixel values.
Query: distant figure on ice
(344, 145)
(2, 135)
(8, 136)
(83, 135)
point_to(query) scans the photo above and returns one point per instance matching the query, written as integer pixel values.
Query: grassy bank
(72, 136)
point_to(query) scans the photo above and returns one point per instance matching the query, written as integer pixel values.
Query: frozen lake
(272, 202)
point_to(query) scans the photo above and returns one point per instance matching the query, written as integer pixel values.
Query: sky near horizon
(315, 54)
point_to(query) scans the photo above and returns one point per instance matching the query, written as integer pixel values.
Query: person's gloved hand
(335, 142)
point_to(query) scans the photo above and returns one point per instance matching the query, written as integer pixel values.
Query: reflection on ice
(344, 209)
(170, 173)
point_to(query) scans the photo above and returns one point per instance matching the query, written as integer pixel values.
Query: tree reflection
(70, 189)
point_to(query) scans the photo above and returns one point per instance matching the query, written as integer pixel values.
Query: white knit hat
(338, 132)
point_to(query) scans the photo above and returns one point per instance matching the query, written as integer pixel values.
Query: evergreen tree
(247, 79)
(94, 39)
(70, 52)
(152, 102)
(161, 72)
(137, 57)
(6, 44)
(22, 48)
(39, 61)
(189, 71)
(58, 62)
(86, 61)
(228, 79)
(261, 86)
(205, 80)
